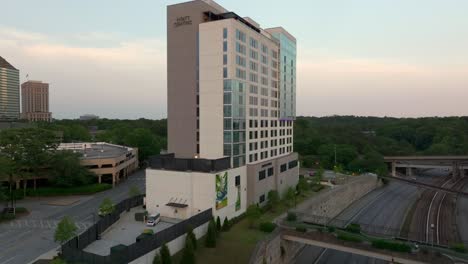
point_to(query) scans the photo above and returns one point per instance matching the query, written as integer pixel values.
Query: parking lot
(125, 232)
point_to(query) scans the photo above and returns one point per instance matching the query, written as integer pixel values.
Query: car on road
(153, 219)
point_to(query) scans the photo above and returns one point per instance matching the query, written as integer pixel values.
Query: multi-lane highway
(382, 210)
(25, 239)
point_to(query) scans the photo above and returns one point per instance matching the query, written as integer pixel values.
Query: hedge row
(394, 246)
(349, 237)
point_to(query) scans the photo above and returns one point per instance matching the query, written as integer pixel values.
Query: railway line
(434, 218)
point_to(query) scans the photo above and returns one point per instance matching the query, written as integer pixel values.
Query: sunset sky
(362, 57)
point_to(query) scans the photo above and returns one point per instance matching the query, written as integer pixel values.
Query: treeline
(360, 142)
(149, 136)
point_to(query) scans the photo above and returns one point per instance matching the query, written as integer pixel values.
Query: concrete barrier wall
(174, 246)
(331, 203)
(275, 250)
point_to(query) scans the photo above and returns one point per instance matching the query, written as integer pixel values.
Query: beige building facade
(231, 96)
(35, 101)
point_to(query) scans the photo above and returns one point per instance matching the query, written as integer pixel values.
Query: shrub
(331, 229)
(218, 225)
(267, 227)
(253, 213)
(165, 254)
(317, 187)
(188, 255)
(273, 199)
(148, 232)
(458, 248)
(157, 259)
(394, 246)
(301, 229)
(66, 229)
(211, 235)
(106, 207)
(226, 226)
(291, 216)
(354, 228)
(191, 236)
(349, 237)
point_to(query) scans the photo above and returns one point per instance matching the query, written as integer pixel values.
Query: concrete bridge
(458, 165)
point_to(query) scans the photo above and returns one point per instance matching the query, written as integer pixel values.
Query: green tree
(157, 259)
(191, 236)
(106, 207)
(133, 191)
(253, 213)
(226, 225)
(210, 241)
(6, 174)
(66, 229)
(302, 185)
(165, 254)
(218, 225)
(273, 199)
(67, 171)
(188, 255)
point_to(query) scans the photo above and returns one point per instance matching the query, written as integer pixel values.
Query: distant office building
(9, 91)
(88, 117)
(35, 101)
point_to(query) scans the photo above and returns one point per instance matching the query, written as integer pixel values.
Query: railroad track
(444, 231)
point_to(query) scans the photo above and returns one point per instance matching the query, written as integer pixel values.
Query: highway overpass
(458, 165)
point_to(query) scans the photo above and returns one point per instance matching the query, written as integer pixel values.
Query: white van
(153, 219)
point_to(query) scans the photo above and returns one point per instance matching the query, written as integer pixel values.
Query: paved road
(385, 207)
(26, 239)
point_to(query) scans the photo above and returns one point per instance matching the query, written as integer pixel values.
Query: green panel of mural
(221, 190)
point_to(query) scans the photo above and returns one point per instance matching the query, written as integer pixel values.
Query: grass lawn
(236, 245)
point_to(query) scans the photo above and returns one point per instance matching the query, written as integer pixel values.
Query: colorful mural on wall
(221, 190)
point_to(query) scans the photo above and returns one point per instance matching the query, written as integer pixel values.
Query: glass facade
(9, 93)
(287, 71)
(234, 121)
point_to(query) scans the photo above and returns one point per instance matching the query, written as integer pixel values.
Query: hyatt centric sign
(183, 21)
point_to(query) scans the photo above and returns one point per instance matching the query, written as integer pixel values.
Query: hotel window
(262, 198)
(264, 91)
(264, 59)
(253, 55)
(253, 66)
(264, 81)
(238, 180)
(261, 175)
(253, 43)
(240, 74)
(274, 53)
(292, 164)
(240, 35)
(225, 59)
(240, 48)
(270, 171)
(264, 70)
(227, 98)
(264, 49)
(253, 77)
(227, 111)
(225, 72)
(225, 46)
(253, 89)
(240, 61)
(284, 167)
(227, 124)
(225, 33)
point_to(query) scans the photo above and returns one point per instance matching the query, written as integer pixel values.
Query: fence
(72, 251)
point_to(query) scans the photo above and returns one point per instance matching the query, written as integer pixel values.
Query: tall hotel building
(231, 109)
(9, 91)
(35, 101)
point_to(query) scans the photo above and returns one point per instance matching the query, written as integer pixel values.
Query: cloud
(124, 79)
